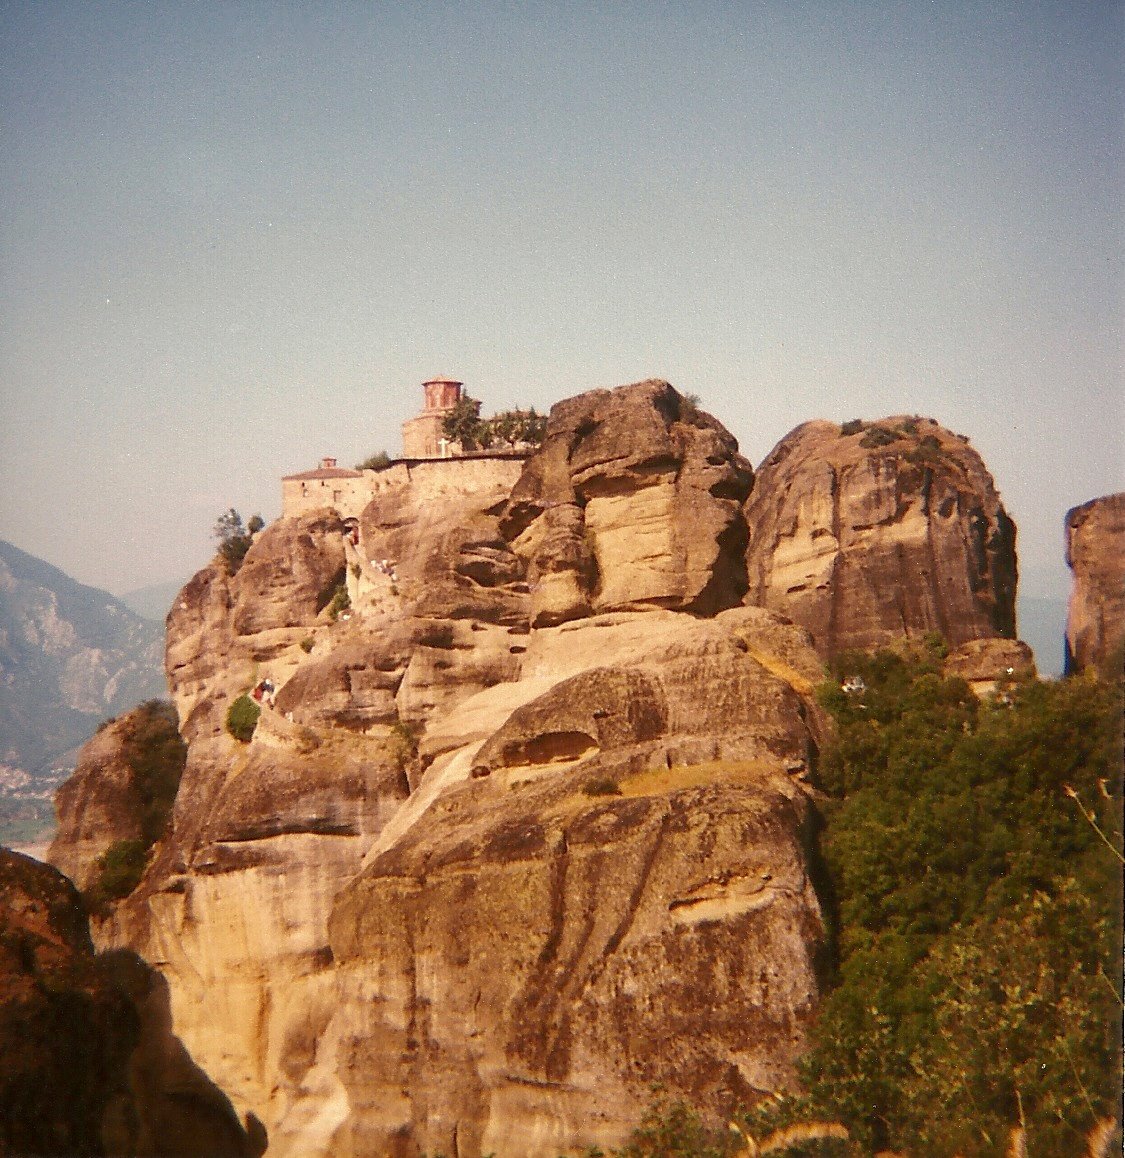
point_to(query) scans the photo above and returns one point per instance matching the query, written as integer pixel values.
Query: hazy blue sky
(235, 237)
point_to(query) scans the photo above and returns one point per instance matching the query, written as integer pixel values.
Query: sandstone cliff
(88, 1062)
(121, 790)
(1095, 553)
(526, 827)
(521, 834)
(633, 499)
(869, 532)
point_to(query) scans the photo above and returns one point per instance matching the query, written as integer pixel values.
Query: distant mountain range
(153, 602)
(70, 656)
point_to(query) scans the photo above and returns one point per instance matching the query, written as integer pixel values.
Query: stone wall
(347, 495)
(430, 478)
(434, 478)
(421, 436)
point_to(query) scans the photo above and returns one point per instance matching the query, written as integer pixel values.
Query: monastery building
(430, 463)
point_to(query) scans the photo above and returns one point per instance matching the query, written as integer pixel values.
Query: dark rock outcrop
(870, 532)
(66, 1029)
(1095, 553)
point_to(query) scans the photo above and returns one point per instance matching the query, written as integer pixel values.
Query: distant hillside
(70, 656)
(152, 602)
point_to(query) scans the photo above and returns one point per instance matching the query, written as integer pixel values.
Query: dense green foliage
(155, 753)
(973, 850)
(120, 869)
(242, 718)
(514, 428)
(376, 461)
(674, 1130)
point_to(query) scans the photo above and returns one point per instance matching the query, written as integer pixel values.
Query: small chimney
(327, 463)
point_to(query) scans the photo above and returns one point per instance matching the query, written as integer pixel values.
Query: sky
(237, 237)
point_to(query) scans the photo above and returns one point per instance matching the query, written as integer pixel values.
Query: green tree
(974, 853)
(242, 718)
(463, 424)
(234, 538)
(120, 869)
(518, 427)
(675, 1130)
(376, 461)
(1023, 1015)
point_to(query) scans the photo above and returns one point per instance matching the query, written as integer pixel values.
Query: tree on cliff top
(234, 538)
(517, 427)
(463, 424)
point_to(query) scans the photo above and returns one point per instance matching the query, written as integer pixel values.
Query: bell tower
(422, 435)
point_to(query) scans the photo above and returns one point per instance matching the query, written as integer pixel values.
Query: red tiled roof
(322, 472)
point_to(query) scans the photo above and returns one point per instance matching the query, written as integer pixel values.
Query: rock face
(1095, 553)
(88, 1062)
(634, 499)
(525, 828)
(519, 966)
(985, 664)
(124, 772)
(869, 532)
(66, 1031)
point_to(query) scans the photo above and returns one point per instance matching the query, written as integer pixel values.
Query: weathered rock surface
(432, 739)
(1095, 553)
(633, 500)
(987, 663)
(525, 829)
(222, 628)
(125, 772)
(893, 529)
(520, 965)
(97, 806)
